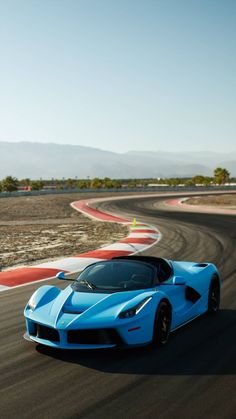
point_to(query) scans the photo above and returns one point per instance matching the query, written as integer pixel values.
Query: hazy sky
(119, 74)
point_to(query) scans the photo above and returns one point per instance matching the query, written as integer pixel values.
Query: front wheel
(162, 324)
(214, 295)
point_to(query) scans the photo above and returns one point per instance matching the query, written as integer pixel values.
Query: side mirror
(60, 275)
(178, 280)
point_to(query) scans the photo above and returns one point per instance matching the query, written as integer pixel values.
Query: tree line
(10, 184)
(221, 176)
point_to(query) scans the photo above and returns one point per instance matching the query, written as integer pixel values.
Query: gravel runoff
(220, 201)
(36, 229)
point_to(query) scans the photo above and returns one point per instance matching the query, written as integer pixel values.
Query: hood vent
(71, 310)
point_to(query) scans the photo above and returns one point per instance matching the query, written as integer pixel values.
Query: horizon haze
(47, 161)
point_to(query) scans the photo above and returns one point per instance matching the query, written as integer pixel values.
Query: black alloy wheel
(162, 324)
(214, 295)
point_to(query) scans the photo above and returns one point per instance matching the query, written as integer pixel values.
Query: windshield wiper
(89, 284)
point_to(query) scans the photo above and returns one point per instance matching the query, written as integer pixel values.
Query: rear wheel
(214, 295)
(162, 324)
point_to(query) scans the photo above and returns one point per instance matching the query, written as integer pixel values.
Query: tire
(214, 295)
(162, 324)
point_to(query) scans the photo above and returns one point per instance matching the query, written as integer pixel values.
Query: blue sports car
(125, 301)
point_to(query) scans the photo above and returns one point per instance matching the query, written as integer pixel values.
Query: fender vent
(200, 265)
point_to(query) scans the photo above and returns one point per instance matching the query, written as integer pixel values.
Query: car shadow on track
(204, 347)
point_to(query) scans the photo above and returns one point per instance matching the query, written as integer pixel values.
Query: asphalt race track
(194, 376)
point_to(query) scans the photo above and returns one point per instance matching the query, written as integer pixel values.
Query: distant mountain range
(38, 160)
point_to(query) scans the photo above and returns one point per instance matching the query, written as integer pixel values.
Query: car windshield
(115, 275)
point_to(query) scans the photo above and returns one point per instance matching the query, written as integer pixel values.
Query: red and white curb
(140, 238)
(84, 206)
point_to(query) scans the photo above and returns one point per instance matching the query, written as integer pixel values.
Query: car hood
(72, 309)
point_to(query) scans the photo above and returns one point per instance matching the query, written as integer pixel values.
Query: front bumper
(132, 332)
(64, 346)
(73, 339)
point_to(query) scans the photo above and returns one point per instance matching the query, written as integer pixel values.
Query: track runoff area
(140, 238)
(192, 377)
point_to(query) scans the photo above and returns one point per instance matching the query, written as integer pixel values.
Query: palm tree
(221, 175)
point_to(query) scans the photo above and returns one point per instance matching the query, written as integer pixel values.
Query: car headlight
(32, 303)
(131, 312)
